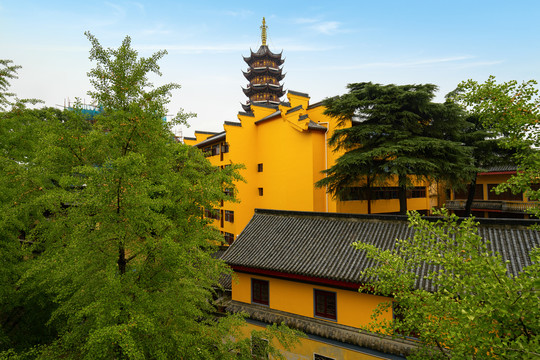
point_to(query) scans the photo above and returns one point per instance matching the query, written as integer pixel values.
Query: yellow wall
(293, 157)
(353, 308)
(307, 347)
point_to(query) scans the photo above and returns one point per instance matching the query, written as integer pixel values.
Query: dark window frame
(327, 309)
(228, 237)
(260, 291)
(229, 216)
(260, 167)
(261, 192)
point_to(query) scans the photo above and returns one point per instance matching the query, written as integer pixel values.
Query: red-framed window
(325, 304)
(260, 291)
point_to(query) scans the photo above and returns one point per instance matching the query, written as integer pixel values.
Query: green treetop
(115, 244)
(398, 133)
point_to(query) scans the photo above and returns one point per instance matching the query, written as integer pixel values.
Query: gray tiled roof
(319, 244)
(500, 168)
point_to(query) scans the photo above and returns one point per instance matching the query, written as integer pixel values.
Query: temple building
(283, 145)
(264, 75)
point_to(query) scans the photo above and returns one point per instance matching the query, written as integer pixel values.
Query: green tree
(398, 133)
(8, 71)
(115, 233)
(469, 306)
(22, 314)
(487, 151)
(513, 109)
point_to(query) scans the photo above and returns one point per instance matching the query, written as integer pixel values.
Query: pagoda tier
(264, 53)
(268, 72)
(264, 75)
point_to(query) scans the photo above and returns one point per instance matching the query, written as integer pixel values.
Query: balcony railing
(500, 205)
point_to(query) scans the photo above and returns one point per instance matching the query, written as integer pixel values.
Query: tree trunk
(470, 196)
(368, 195)
(122, 260)
(402, 194)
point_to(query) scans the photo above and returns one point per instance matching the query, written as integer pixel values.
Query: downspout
(326, 159)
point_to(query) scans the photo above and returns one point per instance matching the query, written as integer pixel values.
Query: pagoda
(264, 75)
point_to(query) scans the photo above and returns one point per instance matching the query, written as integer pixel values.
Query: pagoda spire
(263, 32)
(264, 75)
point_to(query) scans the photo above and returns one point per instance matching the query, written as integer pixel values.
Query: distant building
(488, 204)
(300, 268)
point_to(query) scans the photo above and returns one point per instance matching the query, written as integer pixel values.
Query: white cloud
(327, 27)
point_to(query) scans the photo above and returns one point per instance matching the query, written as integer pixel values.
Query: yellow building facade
(299, 268)
(283, 146)
(487, 203)
(284, 150)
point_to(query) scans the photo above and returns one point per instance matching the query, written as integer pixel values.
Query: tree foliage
(8, 71)
(103, 228)
(475, 309)
(513, 109)
(398, 133)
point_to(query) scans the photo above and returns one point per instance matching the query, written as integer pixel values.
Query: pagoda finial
(263, 34)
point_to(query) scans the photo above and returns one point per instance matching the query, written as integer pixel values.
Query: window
(259, 347)
(215, 149)
(417, 192)
(463, 193)
(212, 214)
(381, 193)
(507, 195)
(229, 216)
(260, 167)
(225, 148)
(260, 191)
(229, 238)
(259, 291)
(321, 357)
(325, 304)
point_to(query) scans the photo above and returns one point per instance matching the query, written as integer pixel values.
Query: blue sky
(326, 45)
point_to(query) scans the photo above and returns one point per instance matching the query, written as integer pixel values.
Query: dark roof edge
(212, 139)
(271, 116)
(232, 123)
(331, 214)
(296, 108)
(189, 138)
(391, 217)
(298, 93)
(206, 132)
(314, 105)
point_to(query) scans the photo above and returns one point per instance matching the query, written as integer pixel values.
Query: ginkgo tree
(106, 216)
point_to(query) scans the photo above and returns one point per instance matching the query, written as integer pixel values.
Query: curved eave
(263, 52)
(263, 70)
(246, 107)
(252, 91)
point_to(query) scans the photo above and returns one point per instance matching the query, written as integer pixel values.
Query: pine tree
(398, 134)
